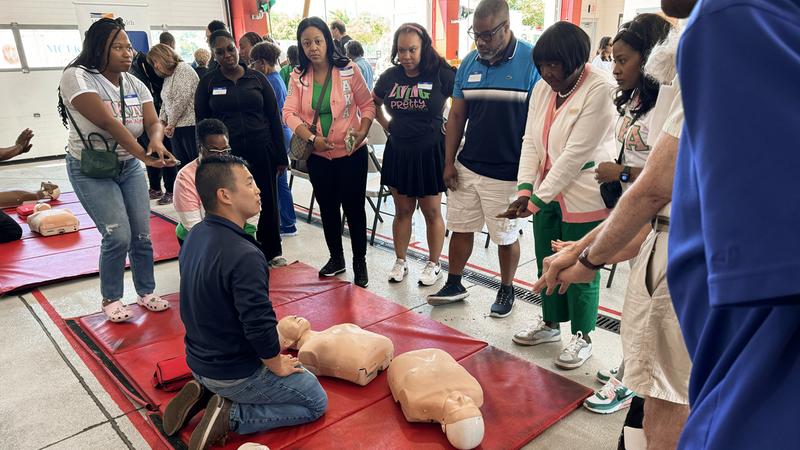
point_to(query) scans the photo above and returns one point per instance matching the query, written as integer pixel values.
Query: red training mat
(36, 260)
(521, 400)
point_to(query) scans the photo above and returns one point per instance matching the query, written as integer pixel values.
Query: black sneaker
(333, 267)
(503, 304)
(360, 275)
(449, 293)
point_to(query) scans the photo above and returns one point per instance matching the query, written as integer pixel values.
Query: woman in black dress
(414, 93)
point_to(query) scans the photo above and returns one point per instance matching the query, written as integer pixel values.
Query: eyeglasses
(486, 36)
(216, 150)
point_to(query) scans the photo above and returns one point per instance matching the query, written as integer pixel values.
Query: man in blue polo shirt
(734, 252)
(492, 90)
(232, 344)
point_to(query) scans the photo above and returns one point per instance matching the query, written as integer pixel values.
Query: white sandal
(153, 303)
(117, 311)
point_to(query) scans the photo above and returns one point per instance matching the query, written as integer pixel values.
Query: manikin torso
(432, 387)
(344, 351)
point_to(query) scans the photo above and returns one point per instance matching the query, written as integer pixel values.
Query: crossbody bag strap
(321, 97)
(625, 138)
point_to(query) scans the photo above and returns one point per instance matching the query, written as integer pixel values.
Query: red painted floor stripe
(105, 380)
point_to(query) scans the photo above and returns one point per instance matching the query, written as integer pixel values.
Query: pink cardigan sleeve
(362, 95)
(292, 108)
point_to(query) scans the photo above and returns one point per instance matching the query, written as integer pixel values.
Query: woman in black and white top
(635, 96)
(177, 96)
(414, 91)
(97, 96)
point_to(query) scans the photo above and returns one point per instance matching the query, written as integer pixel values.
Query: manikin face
(409, 51)
(313, 42)
(491, 35)
(627, 65)
(120, 53)
(291, 329)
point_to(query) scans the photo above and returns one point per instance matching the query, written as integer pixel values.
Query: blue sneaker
(503, 304)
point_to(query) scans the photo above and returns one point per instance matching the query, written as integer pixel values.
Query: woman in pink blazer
(338, 165)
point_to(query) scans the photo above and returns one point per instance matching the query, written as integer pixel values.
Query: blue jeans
(286, 205)
(265, 401)
(120, 208)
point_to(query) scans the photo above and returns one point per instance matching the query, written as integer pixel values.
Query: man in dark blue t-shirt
(490, 98)
(734, 253)
(232, 344)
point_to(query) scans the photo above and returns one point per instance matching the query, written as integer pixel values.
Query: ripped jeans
(120, 208)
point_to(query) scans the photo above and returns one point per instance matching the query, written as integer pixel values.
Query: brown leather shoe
(215, 424)
(189, 401)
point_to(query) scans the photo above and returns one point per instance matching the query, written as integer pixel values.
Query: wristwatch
(583, 258)
(312, 138)
(625, 176)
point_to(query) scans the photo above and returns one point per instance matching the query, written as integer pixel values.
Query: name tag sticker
(219, 91)
(474, 78)
(425, 86)
(346, 72)
(132, 100)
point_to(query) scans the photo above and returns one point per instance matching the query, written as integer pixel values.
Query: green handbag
(99, 162)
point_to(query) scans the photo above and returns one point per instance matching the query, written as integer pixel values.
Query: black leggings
(184, 144)
(269, 232)
(9, 228)
(341, 183)
(154, 174)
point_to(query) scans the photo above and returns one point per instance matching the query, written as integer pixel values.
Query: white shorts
(477, 202)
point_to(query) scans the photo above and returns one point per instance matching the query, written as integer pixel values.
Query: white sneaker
(537, 333)
(612, 397)
(431, 273)
(399, 271)
(575, 353)
(603, 375)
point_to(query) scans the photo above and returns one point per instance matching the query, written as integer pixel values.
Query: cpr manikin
(432, 387)
(50, 222)
(343, 351)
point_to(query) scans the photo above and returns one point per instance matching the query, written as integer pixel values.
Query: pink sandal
(117, 311)
(153, 303)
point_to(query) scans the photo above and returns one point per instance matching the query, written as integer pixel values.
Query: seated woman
(212, 136)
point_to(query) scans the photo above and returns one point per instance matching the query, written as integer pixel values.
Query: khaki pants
(657, 363)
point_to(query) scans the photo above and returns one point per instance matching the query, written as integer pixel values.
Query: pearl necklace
(580, 77)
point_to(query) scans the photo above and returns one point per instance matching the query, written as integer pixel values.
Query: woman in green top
(286, 70)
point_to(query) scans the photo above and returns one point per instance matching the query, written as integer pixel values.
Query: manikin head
(463, 421)
(291, 329)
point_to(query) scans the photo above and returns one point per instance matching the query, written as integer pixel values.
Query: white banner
(137, 24)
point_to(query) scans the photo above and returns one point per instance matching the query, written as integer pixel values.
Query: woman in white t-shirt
(635, 97)
(603, 58)
(107, 108)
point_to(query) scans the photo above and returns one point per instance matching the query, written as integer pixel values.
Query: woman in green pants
(569, 132)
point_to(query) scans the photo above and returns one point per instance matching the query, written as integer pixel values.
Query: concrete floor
(50, 398)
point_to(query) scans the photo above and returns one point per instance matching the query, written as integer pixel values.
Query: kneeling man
(232, 344)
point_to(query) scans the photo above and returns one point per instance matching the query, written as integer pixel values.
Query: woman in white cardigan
(177, 110)
(569, 132)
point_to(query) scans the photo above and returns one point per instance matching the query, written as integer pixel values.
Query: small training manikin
(432, 387)
(50, 222)
(343, 351)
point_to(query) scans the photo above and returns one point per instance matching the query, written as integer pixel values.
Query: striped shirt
(497, 98)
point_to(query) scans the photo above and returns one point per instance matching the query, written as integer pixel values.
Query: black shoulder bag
(611, 191)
